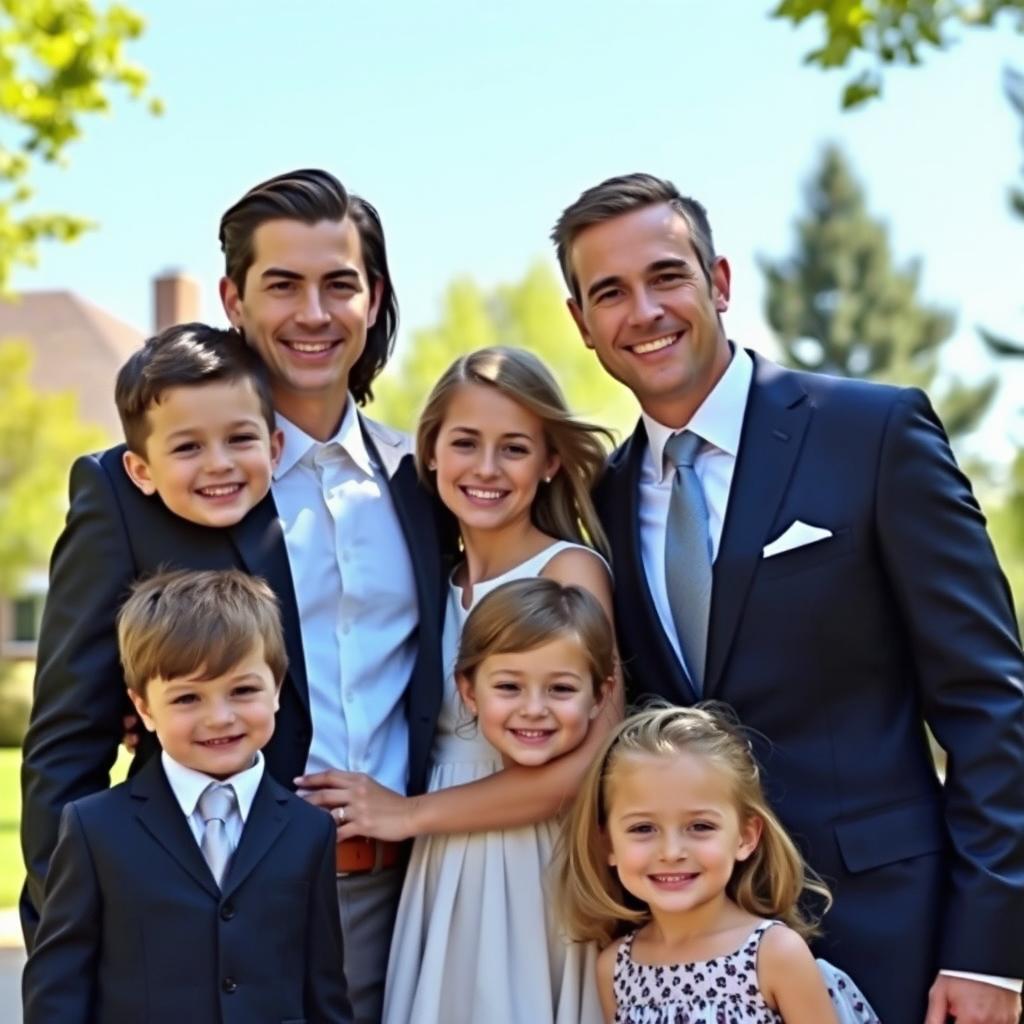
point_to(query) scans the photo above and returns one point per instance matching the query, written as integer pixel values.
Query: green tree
(40, 435)
(59, 60)
(881, 33)
(1014, 86)
(529, 314)
(839, 305)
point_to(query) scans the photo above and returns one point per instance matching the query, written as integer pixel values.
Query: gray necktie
(216, 805)
(688, 556)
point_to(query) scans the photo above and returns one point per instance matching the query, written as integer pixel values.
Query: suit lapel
(160, 815)
(635, 577)
(260, 545)
(776, 418)
(416, 518)
(266, 821)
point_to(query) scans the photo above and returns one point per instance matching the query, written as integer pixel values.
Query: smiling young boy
(198, 423)
(199, 890)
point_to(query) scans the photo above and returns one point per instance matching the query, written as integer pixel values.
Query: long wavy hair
(562, 508)
(770, 883)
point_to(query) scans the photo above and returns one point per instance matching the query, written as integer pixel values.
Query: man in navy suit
(200, 890)
(828, 565)
(307, 284)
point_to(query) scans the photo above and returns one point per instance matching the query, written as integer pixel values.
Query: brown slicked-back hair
(186, 355)
(310, 196)
(624, 194)
(188, 623)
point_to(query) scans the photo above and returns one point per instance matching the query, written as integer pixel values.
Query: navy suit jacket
(134, 927)
(115, 535)
(836, 653)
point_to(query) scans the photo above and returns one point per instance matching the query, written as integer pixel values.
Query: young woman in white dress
(476, 939)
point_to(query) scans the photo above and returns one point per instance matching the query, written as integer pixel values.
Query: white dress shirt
(719, 421)
(188, 786)
(356, 598)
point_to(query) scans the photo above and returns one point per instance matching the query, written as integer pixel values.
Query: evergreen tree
(839, 305)
(529, 314)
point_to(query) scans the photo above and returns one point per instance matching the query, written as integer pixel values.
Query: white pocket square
(796, 536)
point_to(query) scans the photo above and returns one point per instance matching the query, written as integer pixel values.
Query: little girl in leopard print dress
(671, 832)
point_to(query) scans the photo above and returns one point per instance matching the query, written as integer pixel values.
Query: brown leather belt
(359, 855)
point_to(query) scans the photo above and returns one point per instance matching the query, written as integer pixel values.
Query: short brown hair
(190, 623)
(310, 196)
(562, 508)
(624, 194)
(184, 356)
(526, 614)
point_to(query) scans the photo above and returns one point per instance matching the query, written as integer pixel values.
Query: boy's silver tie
(216, 805)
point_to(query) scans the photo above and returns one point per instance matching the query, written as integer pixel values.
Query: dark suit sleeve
(79, 698)
(969, 669)
(326, 988)
(59, 983)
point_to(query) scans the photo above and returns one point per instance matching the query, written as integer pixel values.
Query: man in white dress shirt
(346, 539)
(806, 549)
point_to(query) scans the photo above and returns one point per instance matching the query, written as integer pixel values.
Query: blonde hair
(177, 624)
(563, 508)
(526, 614)
(769, 883)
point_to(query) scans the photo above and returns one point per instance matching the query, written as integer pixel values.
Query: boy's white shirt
(188, 785)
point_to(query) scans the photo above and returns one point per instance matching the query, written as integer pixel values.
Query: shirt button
(345, 627)
(229, 985)
(227, 912)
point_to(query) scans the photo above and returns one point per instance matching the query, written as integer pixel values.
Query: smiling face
(533, 706)
(647, 310)
(674, 831)
(214, 726)
(490, 457)
(306, 308)
(209, 452)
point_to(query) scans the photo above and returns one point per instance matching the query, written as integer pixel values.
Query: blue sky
(471, 125)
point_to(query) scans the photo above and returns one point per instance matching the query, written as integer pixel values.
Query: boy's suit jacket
(114, 535)
(836, 652)
(134, 928)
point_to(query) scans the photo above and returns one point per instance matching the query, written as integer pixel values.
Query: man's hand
(360, 806)
(971, 1002)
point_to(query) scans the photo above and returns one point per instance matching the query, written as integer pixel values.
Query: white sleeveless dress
(475, 940)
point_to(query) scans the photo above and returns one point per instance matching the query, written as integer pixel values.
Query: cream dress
(476, 941)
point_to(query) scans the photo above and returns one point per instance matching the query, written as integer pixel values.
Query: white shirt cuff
(1012, 984)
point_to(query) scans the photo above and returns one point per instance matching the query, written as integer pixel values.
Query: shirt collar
(718, 420)
(188, 785)
(298, 444)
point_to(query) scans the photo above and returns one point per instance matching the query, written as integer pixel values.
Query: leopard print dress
(723, 990)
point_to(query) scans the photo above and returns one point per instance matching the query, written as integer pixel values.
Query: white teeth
(483, 495)
(219, 492)
(310, 346)
(656, 344)
(531, 734)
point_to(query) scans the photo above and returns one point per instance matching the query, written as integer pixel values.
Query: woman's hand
(132, 727)
(360, 806)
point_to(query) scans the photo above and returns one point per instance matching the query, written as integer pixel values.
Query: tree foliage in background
(529, 314)
(40, 435)
(1014, 86)
(838, 305)
(59, 60)
(888, 32)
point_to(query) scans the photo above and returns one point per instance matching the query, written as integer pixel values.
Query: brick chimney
(175, 299)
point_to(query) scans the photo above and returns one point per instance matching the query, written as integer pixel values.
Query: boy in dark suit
(200, 889)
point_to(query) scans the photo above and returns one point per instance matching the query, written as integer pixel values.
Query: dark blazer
(114, 535)
(134, 928)
(836, 653)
